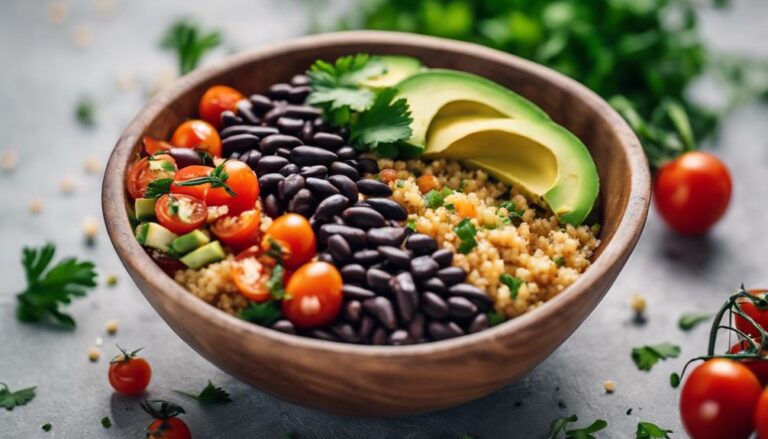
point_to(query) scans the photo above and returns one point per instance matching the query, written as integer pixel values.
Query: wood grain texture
(380, 380)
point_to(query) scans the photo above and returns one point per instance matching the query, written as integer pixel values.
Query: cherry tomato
(692, 192)
(250, 277)
(145, 171)
(296, 237)
(217, 100)
(181, 213)
(760, 316)
(758, 367)
(238, 231)
(241, 179)
(153, 146)
(129, 374)
(718, 400)
(171, 428)
(761, 416)
(198, 134)
(315, 295)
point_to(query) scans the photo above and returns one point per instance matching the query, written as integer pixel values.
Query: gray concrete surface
(42, 74)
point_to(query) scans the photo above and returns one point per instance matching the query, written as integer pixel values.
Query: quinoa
(214, 285)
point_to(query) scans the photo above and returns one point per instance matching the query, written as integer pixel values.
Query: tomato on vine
(166, 425)
(129, 374)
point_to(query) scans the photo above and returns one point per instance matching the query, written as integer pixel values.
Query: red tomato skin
(758, 315)
(140, 175)
(198, 134)
(294, 232)
(242, 180)
(758, 367)
(171, 428)
(319, 283)
(244, 234)
(718, 400)
(761, 416)
(176, 226)
(130, 377)
(692, 192)
(216, 100)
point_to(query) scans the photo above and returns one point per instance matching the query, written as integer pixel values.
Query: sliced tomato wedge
(250, 277)
(239, 231)
(181, 213)
(147, 170)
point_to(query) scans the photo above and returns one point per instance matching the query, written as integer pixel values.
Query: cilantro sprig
(209, 395)
(647, 430)
(645, 357)
(383, 125)
(691, 320)
(49, 288)
(190, 43)
(559, 425)
(264, 314)
(9, 400)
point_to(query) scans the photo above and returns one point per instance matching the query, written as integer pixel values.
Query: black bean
(461, 308)
(416, 326)
(442, 331)
(340, 168)
(279, 91)
(354, 292)
(323, 334)
(312, 155)
(391, 209)
(471, 292)
(303, 112)
(367, 325)
(380, 337)
(245, 111)
(451, 275)
(271, 206)
(289, 187)
(318, 171)
(270, 144)
(434, 305)
(388, 236)
(423, 267)
(373, 188)
(284, 326)
(239, 143)
(378, 280)
(421, 244)
(347, 187)
(346, 153)
(331, 206)
(363, 217)
(435, 285)
(405, 294)
(234, 156)
(270, 164)
(302, 203)
(381, 308)
(361, 204)
(268, 182)
(443, 257)
(353, 163)
(260, 104)
(283, 152)
(321, 188)
(398, 338)
(299, 80)
(395, 256)
(289, 169)
(368, 166)
(325, 257)
(185, 157)
(366, 257)
(272, 115)
(339, 248)
(229, 118)
(479, 323)
(355, 237)
(289, 125)
(353, 273)
(259, 131)
(328, 140)
(307, 131)
(251, 158)
(352, 310)
(299, 94)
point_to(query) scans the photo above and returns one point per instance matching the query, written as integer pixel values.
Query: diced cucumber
(145, 208)
(192, 240)
(207, 254)
(154, 235)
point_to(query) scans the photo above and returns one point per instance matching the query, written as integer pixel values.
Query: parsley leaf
(9, 400)
(190, 43)
(210, 395)
(335, 86)
(384, 124)
(466, 232)
(586, 432)
(265, 313)
(646, 430)
(689, 321)
(47, 288)
(158, 188)
(559, 424)
(646, 356)
(514, 284)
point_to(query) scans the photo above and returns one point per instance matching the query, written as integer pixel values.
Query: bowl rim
(118, 226)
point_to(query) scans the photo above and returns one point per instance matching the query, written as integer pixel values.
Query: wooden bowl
(384, 380)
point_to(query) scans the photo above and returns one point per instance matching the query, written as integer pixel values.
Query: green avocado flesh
(398, 68)
(546, 162)
(436, 94)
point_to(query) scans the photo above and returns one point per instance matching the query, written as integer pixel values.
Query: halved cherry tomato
(761, 416)
(315, 295)
(758, 367)
(241, 179)
(238, 231)
(295, 235)
(171, 428)
(129, 374)
(198, 134)
(153, 146)
(145, 171)
(217, 100)
(760, 316)
(181, 213)
(718, 400)
(250, 277)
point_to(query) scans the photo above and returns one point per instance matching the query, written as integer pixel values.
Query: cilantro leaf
(646, 356)
(210, 395)
(689, 321)
(335, 86)
(158, 188)
(586, 432)
(514, 284)
(9, 400)
(559, 424)
(646, 430)
(190, 43)
(47, 290)
(264, 313)
(384, 123)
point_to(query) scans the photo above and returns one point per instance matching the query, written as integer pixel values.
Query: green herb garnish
(380, 127)
(689, 321)
(210, 395)
(106, 422)
(48, 288)
(46, 427)
(160, 409)
(495, 317)
(265, 313)
(158, 188)
(559, 424)
(85, 112)
(411, 224)
(217, 179)
(647, 430)
(514, 284)
(466, 232)
(559, 261)
(275, 283)
(646, 356)
(9, 400)
(434, 198)
(335, 86)
(190, 43)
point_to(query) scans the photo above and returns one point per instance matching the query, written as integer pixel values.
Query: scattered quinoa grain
(99, 341)
(9, 160)
(111, 327)
(105, 8)
(67, 185)
(126, 81)
(36, 206)
(82, 37)
(637, 303)
(94, 354)
(90, 228)
(609, 386)
(92, 165)
(57, 11)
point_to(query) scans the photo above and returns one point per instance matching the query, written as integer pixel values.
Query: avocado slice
(154, 235)
(398, 68)
(207, 254)
(543, 160)
(145, 208)
(436, 94)
(190, 241)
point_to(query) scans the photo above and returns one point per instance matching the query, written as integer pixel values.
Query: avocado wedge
(398, 68)
(543, 160)
(436, 94)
